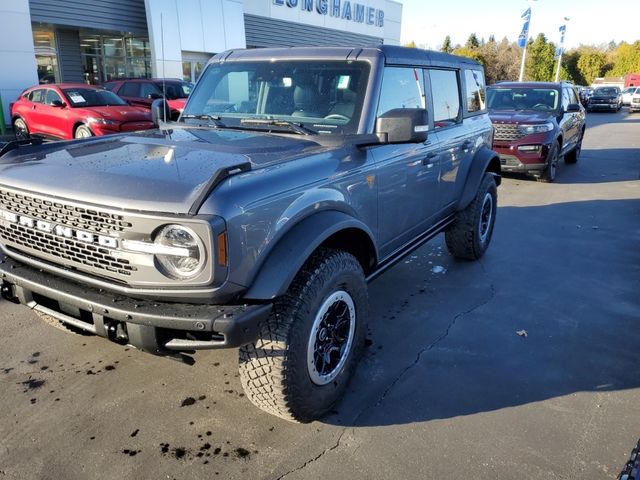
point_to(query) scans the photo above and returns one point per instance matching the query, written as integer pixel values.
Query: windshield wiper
(294, 127)
(203, 116)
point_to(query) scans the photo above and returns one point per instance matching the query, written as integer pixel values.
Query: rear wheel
(309, 346)
(83, 132)
(20, 129)
(470, 234)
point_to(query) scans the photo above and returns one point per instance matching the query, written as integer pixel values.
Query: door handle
(429, 159)
(466, 144)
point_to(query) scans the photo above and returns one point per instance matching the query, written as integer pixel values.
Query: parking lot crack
(445, 334)
(316, 458)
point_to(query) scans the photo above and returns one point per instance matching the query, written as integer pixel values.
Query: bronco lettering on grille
(58, 230)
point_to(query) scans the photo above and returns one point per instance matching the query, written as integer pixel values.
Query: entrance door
(92, 67)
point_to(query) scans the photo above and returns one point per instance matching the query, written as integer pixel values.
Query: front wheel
(550, 172)
(20, 129)
(83, 132)
(574, 155)
(308, 347)
(470, 234)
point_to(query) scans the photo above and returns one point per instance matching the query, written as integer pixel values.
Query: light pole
(563, 29)
(523, 39)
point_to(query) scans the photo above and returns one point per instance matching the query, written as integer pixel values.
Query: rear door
(407, 173)
(33, 115)
(54, 119)
(130, 92)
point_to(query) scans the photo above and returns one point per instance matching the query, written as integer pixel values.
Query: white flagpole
(561, 47)
(524, 56)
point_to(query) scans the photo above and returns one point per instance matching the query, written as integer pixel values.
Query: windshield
(323, 96)
(90, 97)
(175, 90)
(606, 91)
(522, 98)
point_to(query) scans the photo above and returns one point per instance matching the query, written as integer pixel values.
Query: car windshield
(605, 91)
(324, 97)
(522, 98)
(175, 90)
(91, 97)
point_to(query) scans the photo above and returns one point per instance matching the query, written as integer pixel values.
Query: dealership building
(47, 41)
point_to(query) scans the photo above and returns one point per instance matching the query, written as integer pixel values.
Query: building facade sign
(343, 9)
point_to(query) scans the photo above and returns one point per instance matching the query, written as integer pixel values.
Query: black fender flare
(485, 160)
(290, 253)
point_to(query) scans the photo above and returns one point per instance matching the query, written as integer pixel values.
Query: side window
(474, 85)
(37, 96)
(130, 89)
(401, 88)
(572, 96)
(51, 97)
(566, 99)
(147, 89)
(445, 90)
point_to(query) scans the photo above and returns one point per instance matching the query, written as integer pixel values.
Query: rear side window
(130, 89)
(36, 96)
(147, 89)
(445, 90)
(401, 88)
(474, 86)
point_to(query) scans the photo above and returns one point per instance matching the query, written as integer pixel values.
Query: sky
(591, 22)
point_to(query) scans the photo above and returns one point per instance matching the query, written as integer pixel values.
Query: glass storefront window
(110, 57)
(44, 43)
(192, 69)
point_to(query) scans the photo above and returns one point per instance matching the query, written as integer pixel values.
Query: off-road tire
(82, 131)
(574, 155)
(54, 322)
(551, 171)
(274, 370)
(464, 238)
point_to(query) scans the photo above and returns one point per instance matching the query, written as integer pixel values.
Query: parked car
(257, 227)
(68, 110)
(626, 95)
(143, 91)
(584, 93)
(634, 104)
(535, 125)
(605, 98)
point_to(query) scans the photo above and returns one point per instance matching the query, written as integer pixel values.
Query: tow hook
(117, 332)
(8, 293)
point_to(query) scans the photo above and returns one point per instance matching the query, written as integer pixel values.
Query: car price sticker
(77, 98)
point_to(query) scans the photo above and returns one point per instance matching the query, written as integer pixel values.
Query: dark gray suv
(293, 177)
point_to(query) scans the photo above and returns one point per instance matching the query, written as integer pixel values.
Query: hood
(120, 113)
(520, 116)
(604, 95)
(149, 171)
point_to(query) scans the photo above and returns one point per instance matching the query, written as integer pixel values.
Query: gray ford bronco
(292, 178)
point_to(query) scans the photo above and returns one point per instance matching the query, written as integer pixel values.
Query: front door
(407, 174)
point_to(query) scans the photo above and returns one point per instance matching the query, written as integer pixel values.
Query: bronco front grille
(507, 132)
(60, 213)
(67, 251)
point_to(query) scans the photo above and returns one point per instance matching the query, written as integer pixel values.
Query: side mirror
(58, 104)
(403, 125)
(159, 111)
(573, 107)
(154, 96)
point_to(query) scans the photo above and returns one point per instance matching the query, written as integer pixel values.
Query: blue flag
(524, 34)
(560, 49)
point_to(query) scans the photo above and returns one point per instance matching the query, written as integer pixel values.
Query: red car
(143, 91)
(68, 110)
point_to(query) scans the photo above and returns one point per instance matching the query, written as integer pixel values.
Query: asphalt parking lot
(447, 387)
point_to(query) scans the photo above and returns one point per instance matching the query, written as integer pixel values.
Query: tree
(472, 53)
(472, 41)
(540, 61)
(625, 59)
(446, 46)
(411, 44)
(591, 65)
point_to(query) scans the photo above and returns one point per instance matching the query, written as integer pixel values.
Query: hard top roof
(392, 55)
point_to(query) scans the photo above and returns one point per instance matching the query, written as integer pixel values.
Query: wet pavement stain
(187, 402)
(109, 368)
(134, 433)
(33, 384)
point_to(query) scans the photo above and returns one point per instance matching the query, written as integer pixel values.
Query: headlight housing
(537, 128)
(102, 121)
(180, 253)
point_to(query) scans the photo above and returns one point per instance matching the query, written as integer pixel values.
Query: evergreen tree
(540, 61)
(472, 41)
(446, 46)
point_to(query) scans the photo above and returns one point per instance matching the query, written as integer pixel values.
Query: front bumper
(602, 106)
(513, 160)
(156, 327)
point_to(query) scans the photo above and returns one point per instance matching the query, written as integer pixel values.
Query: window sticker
(77, 98)
(343, 82)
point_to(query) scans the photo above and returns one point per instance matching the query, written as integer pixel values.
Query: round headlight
(185, 256)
